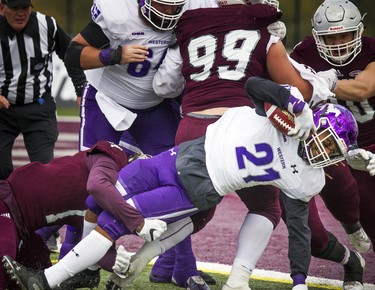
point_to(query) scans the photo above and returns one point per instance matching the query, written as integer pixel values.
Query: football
(281, 119)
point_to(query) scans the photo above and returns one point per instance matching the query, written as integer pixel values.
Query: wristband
(109, 56)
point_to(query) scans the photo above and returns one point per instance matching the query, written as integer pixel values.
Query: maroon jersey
(55, 193)
(364, 112)
(221, 51)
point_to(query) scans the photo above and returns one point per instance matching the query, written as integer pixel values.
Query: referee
(28, 40)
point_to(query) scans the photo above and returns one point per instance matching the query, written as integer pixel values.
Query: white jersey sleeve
(243, 149)
(168, 81)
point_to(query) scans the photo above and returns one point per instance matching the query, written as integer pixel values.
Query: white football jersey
(131, 84)
(243, 149)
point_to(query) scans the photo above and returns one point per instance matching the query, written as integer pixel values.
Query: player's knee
(93, 206)
(111, 226)
(201, 219)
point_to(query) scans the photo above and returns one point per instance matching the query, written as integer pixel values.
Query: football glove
(360, 159)
(122, 262)
(278, 29)
(304, 125)
(330, 77)
(152, 229)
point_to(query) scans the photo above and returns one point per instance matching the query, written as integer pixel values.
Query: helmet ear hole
(334, 17)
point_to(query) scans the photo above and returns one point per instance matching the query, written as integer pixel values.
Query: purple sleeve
(102, 178)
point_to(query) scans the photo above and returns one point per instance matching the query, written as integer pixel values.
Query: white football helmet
(334, 17)
(159, 19)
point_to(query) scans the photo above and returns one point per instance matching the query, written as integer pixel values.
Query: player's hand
(133, 53)
(278, 29)
(360, 159)
(122, 262)
(330, 77)
(152, 229)
(304, 125)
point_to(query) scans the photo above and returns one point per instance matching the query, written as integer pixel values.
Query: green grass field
(143, 283)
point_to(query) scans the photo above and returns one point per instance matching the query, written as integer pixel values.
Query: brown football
(281, 119)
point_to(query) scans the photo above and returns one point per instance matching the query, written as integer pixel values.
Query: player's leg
(341, 196)
(78, 259)
(168, 265)
(295, 215)
(154, 129)
(366, 183)
(94, 125)
(264, 215)
(325, 245)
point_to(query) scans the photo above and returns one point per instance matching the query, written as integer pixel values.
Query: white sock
(86, 253)
(252, 240)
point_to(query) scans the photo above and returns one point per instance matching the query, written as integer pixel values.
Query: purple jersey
(364, 112)
(238, 37)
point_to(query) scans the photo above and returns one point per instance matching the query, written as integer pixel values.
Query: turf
(143, 283)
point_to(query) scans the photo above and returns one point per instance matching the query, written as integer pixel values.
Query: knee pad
(112, 226)
(93, 206)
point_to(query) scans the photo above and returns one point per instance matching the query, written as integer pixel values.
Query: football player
(37, 195)
(195, 176)
(338, 51)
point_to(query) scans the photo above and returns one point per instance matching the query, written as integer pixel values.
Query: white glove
(122, 262)
(360, 159)
(304, 123)
(278, 29)
(330, 77)
(152, 229)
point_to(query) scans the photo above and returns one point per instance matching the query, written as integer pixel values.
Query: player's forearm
(352, 90)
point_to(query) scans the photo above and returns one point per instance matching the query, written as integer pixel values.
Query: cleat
(25, 277)
(360, 240)
(207, 278)
(353, 274)
(85, 279)
(196, 283)
(226, 287)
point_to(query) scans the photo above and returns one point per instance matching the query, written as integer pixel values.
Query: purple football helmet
(331, 120)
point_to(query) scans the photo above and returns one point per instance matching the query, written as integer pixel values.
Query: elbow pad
(73, 55)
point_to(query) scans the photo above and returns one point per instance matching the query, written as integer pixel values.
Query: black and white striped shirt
(26, 59)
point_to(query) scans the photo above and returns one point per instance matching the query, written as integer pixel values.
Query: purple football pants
(152, 186)
(153, 130)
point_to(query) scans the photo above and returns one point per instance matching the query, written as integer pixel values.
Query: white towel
(119, 117)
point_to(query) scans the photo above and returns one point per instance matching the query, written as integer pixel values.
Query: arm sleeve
(95, 36)
(77, 75)
(168, 81)
(261, 90)
(101, 185)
